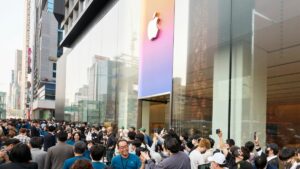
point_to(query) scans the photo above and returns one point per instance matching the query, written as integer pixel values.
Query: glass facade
(235, 67)
(102, 69)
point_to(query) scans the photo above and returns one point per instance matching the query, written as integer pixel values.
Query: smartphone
(218, 131)
(254, 135)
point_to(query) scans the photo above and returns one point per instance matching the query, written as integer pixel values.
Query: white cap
(218, 158)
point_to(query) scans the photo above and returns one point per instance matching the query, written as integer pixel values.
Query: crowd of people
(60, 145)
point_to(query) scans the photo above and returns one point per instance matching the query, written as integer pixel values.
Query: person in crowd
(111, 143)
(250, 146)
(77, 137)
(70, 139)
(289, 158)
(20, 158)
(87, 152)
(147, 138)
(34, 131)
(195, 141)
(200, 155)
(260, 162)
(125, 160)
(57, 154)
(140, 137)
(22, 136)
(50, 138)
(79, 149)
(38, 155)
(82, 164)
(134, 145)
(240, 155)
(217, 161)
(97, 152)
(8, 146)
(95, 134)
(177, 159)
(272, 158)
(131, 129)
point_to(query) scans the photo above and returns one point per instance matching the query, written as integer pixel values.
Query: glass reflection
(101, 71)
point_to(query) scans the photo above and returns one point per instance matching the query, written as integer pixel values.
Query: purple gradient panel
(156, 56)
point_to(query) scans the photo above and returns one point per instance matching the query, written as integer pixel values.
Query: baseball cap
(218, 158)
(142, 129)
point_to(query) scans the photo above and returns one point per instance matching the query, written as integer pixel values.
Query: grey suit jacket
(57, 155)
(38, 156)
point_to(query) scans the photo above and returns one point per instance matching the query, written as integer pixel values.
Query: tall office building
(25, 58)
(14, 96)
(47, 17)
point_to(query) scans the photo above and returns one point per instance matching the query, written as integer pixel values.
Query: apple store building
(196, 65)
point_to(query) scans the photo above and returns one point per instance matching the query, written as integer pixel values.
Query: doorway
(155, 113)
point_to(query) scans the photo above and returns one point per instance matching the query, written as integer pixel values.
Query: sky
(11, 33)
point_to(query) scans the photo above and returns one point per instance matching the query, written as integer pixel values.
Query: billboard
(156, 47)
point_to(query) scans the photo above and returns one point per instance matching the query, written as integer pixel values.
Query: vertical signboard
(156, 47)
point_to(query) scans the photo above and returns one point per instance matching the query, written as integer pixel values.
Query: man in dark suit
(272, 159)
(34, 132)
(49, 139)
(57, 154)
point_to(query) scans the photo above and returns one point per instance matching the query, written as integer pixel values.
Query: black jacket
(49, 141)
(34, 132)
(29, 165)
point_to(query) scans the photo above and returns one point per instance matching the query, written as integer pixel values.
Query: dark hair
(10, 141)
(133, 128)
(185, 136)
(97, 152)
(131, 135)
(79, 134)
(51, 128)
(230, 142)
(274, 147)
(246, 153)
(249, 145)
(82, 164)
(172, 144)
(121, 140)
(20, 153)
(212, 142)
(137, 143)
(36, 142)
(62, 136)
(260, 161)
(286, 153)
(140, 137)
(140, 149)
(79, 147)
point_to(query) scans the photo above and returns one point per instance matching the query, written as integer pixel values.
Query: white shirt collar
(271, 158)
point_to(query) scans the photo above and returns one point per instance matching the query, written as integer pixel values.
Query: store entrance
(155, 113)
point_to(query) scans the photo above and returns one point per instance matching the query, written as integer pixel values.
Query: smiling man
(125, 160)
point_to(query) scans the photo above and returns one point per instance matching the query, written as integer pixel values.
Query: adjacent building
(2, 105)
(14, 96)
(47, 15)
(195, 66)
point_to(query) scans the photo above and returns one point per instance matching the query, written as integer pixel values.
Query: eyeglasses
(123, 147)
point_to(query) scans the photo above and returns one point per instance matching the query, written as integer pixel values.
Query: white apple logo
(153, 27)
